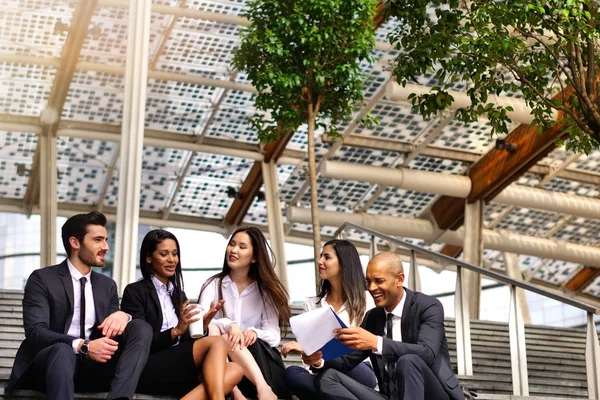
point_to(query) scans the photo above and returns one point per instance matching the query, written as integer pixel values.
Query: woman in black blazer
(177, 364)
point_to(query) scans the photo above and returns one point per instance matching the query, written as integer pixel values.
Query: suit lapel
(154, 297)
(100, 298)
(67, 282)
(406, 320)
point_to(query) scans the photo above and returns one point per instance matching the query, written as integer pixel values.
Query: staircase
(555, 357)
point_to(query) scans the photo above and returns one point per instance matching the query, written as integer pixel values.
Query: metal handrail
(486, 272)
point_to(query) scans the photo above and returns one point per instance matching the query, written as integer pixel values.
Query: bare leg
(233, 374)
(213, 350)
(245, 359)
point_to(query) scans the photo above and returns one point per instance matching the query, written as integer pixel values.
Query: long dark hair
(149, 244)
(353, 279)
(262, 272)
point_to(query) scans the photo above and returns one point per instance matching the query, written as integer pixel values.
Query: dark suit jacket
(422, 334)
(141, 301)
(48, 312)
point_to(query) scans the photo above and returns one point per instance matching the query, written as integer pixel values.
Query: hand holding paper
(357, 338)
(314, 331)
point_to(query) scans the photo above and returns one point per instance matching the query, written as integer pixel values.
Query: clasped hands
(354, 338)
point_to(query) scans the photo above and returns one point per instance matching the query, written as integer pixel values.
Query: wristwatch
(85, 347)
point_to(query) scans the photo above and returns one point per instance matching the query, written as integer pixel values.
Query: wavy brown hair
(262, 271)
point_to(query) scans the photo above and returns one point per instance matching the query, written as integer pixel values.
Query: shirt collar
(161, 286)
(75, 274)
(397, 312)
(323, 303)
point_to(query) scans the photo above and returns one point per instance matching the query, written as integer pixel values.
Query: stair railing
(515, 323)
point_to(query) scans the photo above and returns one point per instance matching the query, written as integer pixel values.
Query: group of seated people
(77, 338)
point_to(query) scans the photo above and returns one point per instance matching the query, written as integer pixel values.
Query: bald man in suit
(403, 336)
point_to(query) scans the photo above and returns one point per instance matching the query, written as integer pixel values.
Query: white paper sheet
(314, 329)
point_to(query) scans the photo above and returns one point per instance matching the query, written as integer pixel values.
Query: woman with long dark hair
(177, 364)
(343, 287)
(256, 305)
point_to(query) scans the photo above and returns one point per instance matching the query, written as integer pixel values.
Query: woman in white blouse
(256, 305)
(343, 287)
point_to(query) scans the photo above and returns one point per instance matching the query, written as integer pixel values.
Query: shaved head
(389, 259)
(385, 276)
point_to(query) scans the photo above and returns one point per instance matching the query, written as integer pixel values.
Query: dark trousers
(415, 381)
(302, 383)
(58, 372)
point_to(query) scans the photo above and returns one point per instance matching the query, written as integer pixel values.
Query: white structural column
(48, 207)
(130, 170)
(511, 264)
(516, 330)
(592, 358)
(414, 279)
(275, 219)
(473, 253)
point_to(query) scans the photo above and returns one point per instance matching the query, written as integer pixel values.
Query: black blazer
(141, 301)
(48, 312)
(422, 334)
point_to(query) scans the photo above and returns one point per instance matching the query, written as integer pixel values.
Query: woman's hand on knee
(236, 337)
(250, 337)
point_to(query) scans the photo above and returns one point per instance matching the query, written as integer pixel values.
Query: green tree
(304, 58)
(546, 50)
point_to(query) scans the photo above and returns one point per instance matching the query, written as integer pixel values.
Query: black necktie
(389, 365)
(83, 280)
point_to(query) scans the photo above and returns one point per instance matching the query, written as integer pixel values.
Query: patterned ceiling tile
(529, 222)
(400, 202)
(226, 169)
(397, 122)
(179, 106)
(95, 97)
(34, 27)
(106, 41)
(24, 89)
(580, 230)
(557, 272)
(16, 158)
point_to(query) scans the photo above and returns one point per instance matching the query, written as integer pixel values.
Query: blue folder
(334, 348)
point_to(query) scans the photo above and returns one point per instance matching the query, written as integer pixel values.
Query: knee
(140, 329)
(291, 373)
(408, 362)
(62, 355)
(325, 378)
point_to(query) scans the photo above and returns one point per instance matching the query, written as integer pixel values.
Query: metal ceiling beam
(424, 229)
(466, 157)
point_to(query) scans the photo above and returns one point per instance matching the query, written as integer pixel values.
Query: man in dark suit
(75, 336)
(404, 338)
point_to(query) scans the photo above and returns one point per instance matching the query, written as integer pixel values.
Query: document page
(314, 331)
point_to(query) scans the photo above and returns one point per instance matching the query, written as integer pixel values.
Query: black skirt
(170, 371)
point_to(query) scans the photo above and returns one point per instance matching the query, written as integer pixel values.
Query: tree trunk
(314, 203)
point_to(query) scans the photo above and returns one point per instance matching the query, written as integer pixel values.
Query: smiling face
(329, 264)
(239, 253)
(164, 260)
(384, 282)
(92, 249)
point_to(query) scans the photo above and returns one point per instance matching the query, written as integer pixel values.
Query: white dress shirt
(396, 325)
(90, 311)
(247, 309)
(164, 293)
